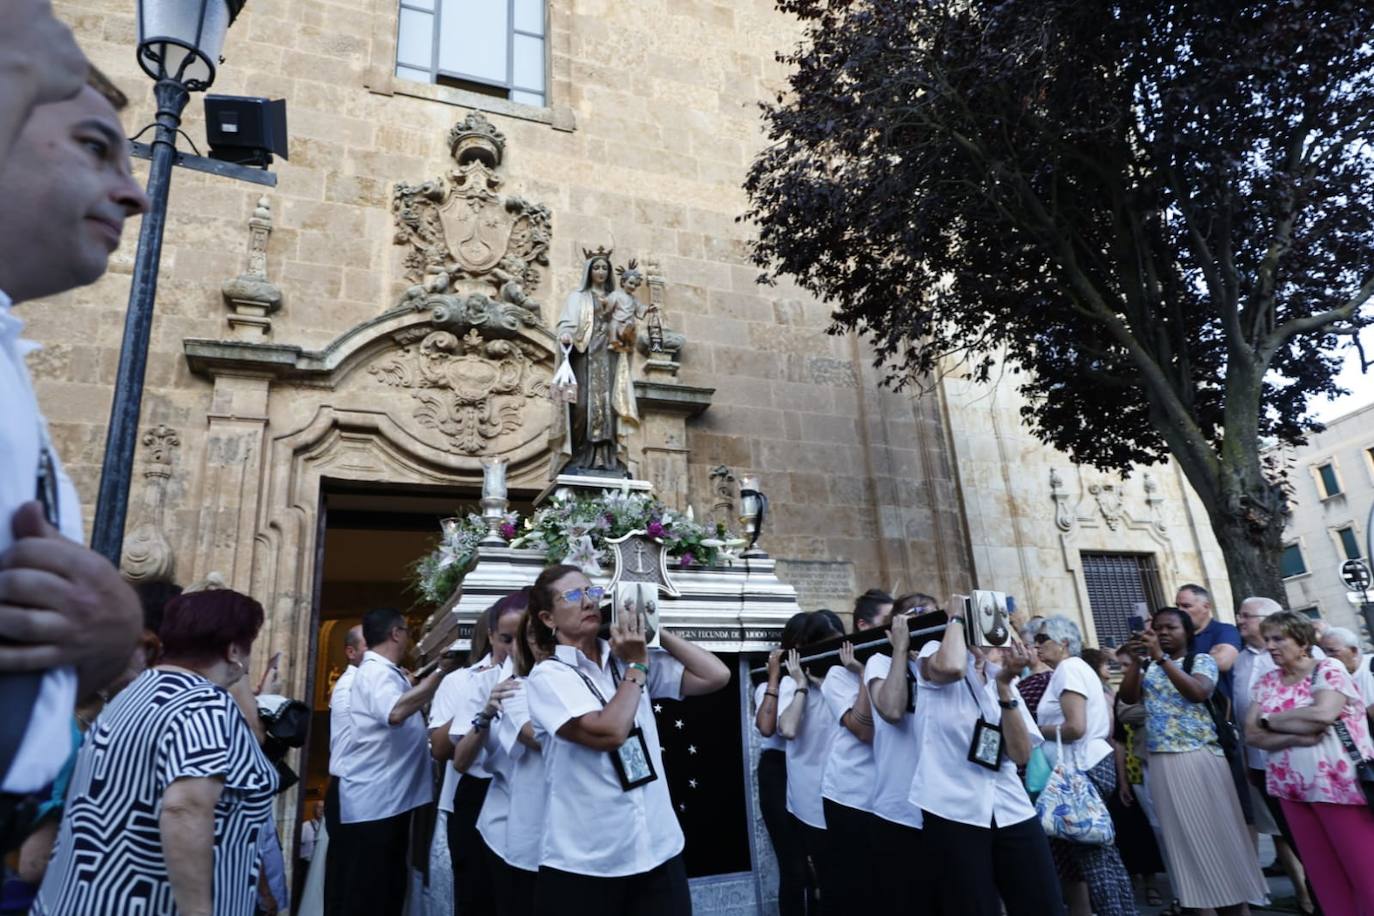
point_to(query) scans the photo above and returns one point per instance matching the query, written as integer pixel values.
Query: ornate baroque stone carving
(148, 556)
(464, 239)
(470, 389)
(1108, 496)
(1154, 501)
(1063, 513)
(251, 297)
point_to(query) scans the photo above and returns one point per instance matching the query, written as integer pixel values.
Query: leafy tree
(1159, 214)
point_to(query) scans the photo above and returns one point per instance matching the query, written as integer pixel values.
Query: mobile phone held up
(1137, 624)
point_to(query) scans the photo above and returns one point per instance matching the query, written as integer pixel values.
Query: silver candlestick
(753, 510)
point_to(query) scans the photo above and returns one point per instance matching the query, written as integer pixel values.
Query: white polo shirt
(47, 740)
(946, 783)
(807, 752)
(1076, 676)
(848, 776)
(775, 742)
(896, 748)
(340, 723)
(453, 706)
(1364, 680)
(594, 827)
(389, 769)
(512, 818)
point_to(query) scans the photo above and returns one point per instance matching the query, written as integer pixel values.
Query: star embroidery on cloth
(682, 808)
(678, 724)
(692, 783)
(691, 748)
(658, 707)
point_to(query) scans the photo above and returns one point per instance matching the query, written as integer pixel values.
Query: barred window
(1119, 585)
(495, 47)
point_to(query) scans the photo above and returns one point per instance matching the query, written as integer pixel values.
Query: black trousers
(473, 892)
(901, 867)
(794, 885)
(847, 876)
(977, 865)
(817, 848)
(336, 853)
(513, 887)
(372, 868)
(661, 891)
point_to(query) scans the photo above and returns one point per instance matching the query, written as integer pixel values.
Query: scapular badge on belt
(631, 760)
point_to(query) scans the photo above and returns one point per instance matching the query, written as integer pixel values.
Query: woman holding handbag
(1310, 718)
(1206, 845)
(1074, 710)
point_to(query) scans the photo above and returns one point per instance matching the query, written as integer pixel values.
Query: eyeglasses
(1041, 639)
(574, 595)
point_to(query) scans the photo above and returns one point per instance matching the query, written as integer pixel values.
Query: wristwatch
(1008, 704)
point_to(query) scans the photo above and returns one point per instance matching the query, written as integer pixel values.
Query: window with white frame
(1328, 481)
(1292, 562)
(495, 47)
(1350, 545)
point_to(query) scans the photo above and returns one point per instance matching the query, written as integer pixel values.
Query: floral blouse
(1174, 725)
(1322, 773)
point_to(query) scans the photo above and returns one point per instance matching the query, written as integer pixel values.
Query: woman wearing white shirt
(512, 819)
(809, 729)
(611, 842)
(794, 884)
(981, 833)
(1074, 707)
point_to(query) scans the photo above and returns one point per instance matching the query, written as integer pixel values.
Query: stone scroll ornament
(148, 555)
(470, 389)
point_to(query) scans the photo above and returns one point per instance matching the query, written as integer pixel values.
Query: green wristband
(639, 666)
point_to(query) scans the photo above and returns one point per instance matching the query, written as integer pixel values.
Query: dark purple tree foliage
(1159, 214)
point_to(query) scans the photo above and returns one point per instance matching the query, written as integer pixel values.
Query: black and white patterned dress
(165, 726)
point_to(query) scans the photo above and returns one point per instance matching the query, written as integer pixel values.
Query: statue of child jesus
(625, 310)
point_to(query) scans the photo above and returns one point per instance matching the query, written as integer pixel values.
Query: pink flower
(656, 530)
(686, 560)
(508, 531)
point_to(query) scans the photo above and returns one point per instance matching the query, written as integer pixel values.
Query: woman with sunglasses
(611, 844)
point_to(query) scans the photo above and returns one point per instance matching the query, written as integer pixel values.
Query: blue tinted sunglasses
(593, 592)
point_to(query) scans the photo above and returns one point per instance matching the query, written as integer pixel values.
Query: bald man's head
(354, 644)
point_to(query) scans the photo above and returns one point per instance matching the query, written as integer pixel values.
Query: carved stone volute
(148, 555)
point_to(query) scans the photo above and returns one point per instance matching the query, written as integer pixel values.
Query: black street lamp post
(179, 45)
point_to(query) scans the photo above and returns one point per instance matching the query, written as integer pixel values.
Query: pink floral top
(1323, 773)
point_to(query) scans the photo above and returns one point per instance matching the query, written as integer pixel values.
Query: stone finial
(148, 555)
(251, 297)
(475, 137)
(662, 345)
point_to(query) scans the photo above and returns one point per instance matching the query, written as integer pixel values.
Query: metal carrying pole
(867, 648)
(112, 501)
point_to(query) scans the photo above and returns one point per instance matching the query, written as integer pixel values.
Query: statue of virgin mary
(595, 426)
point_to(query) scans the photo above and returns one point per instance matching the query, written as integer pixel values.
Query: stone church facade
(334, 357)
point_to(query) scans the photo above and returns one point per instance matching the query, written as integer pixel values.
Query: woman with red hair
(171, 790)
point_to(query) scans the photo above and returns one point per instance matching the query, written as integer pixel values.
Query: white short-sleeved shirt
(593, 826)
(1364, 680)
(512, 818)
(340, 723)
(775, 741)
(806, 753)
(896, 748)
(47, 737)
(1076, 676)
(946, 783)
(453, 706)
(389, 769)
(848, 776)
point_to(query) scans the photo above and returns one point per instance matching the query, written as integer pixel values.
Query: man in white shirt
(388, 773)
(1344, 646)
(340, 730)
(68, 623)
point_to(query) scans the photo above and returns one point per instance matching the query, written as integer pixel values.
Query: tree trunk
(1252, 556)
